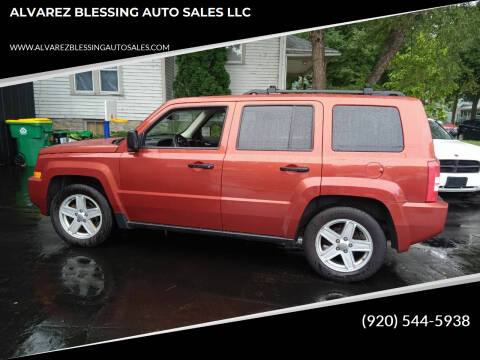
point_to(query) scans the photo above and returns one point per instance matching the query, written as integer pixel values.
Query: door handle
(201, 166)
(294, 168)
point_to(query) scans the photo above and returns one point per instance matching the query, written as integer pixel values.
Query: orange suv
(338, 172)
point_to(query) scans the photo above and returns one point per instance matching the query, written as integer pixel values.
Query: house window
(235, 54)
(109, 80)
(98, 82)
(84, 81)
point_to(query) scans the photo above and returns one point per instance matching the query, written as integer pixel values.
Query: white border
(355, 298)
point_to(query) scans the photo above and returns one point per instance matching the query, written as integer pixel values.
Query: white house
(464, 111)
(76, 102)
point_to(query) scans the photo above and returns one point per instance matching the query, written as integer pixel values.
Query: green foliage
(359, 48)
(202, 74)
(120, 133)
(437, 62)
(377, 30)
(305, 36)
(424, 70)
(470, 76)
(216, 130)
(359, 51)
(302, 82)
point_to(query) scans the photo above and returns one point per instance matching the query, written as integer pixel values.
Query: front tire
(344, 244)
(81, 215)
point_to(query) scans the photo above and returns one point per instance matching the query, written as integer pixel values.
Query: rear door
(273, 154)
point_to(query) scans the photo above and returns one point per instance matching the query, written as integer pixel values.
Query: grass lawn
(474, 142)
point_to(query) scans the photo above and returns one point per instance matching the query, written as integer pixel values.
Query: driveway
(54, 296)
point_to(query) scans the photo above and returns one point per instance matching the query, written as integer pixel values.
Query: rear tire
(81, 215)
(344, 244)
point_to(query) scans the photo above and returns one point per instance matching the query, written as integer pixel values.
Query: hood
(83, 146)
(447, 149)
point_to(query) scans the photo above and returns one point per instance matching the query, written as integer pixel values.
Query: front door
(175, 177)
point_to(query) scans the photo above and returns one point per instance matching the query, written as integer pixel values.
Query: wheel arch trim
(84, 170)
(374, 207)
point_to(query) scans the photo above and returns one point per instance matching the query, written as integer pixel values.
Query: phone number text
(395, 321)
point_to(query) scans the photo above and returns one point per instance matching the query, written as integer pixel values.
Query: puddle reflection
(84, 278)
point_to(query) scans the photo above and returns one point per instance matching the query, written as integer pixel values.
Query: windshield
(438, 132)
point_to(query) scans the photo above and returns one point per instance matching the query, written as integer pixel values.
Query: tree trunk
(319, 81)
(473, 113)
(454, 107)
(390, 47)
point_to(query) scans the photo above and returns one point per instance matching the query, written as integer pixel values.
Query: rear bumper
(416, 222)
(462, 190)
(38, 193)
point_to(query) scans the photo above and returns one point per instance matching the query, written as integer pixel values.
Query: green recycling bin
(32, 135)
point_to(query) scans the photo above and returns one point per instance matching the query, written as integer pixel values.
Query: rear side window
(278, 127)
(367, 128)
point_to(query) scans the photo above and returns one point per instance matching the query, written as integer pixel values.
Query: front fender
(105, 172)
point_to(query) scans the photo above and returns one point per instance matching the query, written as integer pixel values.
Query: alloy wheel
(344, 245)
(80, 216)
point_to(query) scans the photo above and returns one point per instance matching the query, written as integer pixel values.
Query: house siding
(142, 94)
(260, 69)
(147, 84)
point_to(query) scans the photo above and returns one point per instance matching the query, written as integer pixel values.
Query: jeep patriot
(339, 173)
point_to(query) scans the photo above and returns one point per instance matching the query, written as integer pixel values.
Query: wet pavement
(53, 296)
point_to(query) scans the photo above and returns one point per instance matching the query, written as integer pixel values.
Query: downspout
(164, 80)
(282, 62)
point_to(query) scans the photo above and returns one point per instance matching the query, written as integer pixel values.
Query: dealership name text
(104, 12)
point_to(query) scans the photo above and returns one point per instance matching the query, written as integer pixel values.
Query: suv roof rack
(365, 91)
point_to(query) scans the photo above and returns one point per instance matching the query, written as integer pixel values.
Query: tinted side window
(367, 128)
(276, 128)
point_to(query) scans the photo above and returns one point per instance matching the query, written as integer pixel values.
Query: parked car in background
(449, 127)
(459, 162)
(469, 130)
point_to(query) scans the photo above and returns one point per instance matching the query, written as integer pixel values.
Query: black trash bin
(60, 137)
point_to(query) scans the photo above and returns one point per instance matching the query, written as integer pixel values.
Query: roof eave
(328, 52)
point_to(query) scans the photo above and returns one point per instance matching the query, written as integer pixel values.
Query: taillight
(433, 180)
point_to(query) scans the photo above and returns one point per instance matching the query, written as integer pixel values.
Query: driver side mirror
(132, 141)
